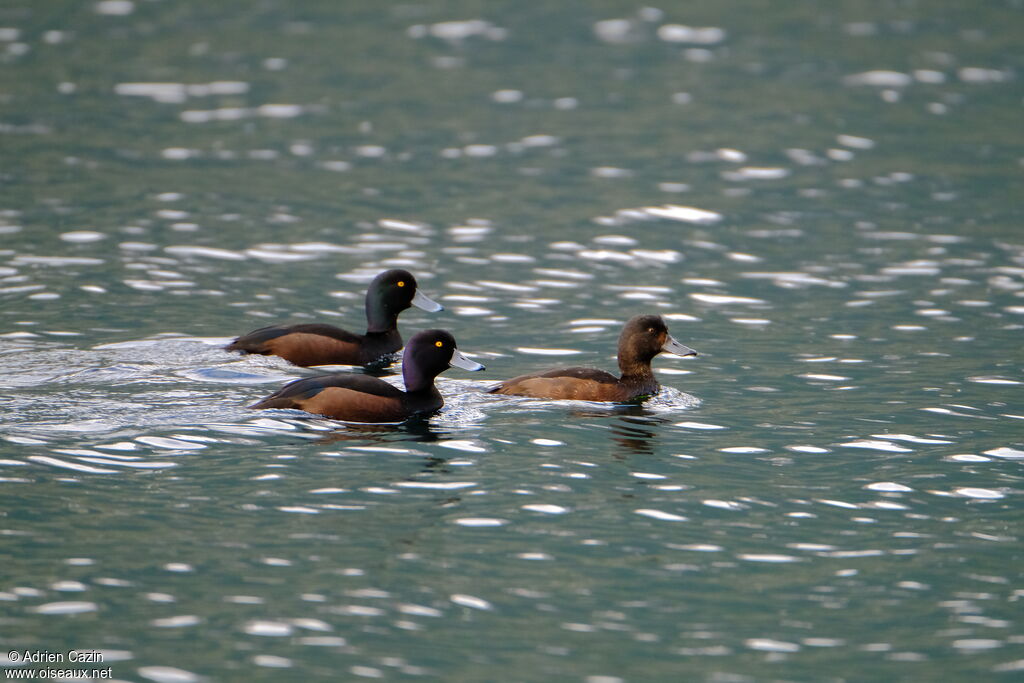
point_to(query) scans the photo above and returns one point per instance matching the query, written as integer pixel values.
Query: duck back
(354, 398)
(317, 344)
(580, 384)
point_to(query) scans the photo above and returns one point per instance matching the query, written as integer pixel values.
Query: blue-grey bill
(460, 361)
(421, 300)
(672, 346)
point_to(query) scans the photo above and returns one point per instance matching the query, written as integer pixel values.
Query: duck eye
(400, 283)
(651, 330)
(438, 344)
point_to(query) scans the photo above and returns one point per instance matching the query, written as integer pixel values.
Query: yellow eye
(438, 344)
(400, 283)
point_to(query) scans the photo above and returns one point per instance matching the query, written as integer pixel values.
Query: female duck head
(389, 294)
(643, 338)
(427, 355)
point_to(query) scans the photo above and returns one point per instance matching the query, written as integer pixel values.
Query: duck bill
(421, 300)
(460, 361)
(672, 346)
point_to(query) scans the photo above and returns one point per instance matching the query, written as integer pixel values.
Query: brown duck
(363, 398)
(642, 338)
(307, 344)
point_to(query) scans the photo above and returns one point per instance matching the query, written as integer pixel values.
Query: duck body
(311, 344)
(642, 338)
(354, 398)
(308, 344)
(579, 384)
(362, 398)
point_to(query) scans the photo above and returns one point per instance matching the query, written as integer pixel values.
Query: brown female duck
(642, 338)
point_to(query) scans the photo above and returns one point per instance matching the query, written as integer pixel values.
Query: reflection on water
(823, 200)
(633, 434)
(419, 429)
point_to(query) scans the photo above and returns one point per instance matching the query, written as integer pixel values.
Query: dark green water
(822, 200)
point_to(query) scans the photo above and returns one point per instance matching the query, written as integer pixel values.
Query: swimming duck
(307, 344)
(642, 338)
(363, 398)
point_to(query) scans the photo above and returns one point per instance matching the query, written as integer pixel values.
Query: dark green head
(389, 294)
(427, 355)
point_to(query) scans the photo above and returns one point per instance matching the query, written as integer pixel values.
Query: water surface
(823, 201)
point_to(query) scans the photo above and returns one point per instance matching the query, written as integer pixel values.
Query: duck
(355, 397)
(308, 344)
(643, 337)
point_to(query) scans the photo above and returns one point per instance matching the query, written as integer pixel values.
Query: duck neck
(385, 338)
(417, 381)
(636, 370)
(379, 318)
